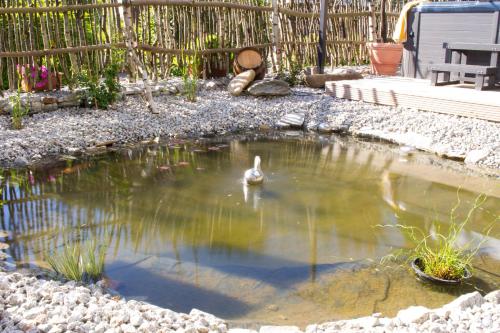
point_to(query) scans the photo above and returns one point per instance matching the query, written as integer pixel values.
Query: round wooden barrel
(250, 58)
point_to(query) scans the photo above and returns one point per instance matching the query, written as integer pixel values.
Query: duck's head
(256, 163)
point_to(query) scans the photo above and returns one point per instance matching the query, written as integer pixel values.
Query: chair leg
(491, 81)
(446, 77)
(434, 78)
(479, 81)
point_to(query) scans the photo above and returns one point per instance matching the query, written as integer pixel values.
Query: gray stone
(46, 100)
(319, 80)
(279, 329)
(36, 106)
(47, 107)
(241, 330)
(348, 72)
(292, 120)
(414, 315)
(474, 156)
(69, 100)
(21, 161)
(407, 150)
(136, 319)
(211, 85)
(325, 128)
(465, 301)
(269, 88)
(272, 307)
(133, 89)
(329, 128)
(493, 297)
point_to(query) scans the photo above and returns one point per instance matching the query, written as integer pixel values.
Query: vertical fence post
(131, 43)
(372, 35)
(276, 34)
(383, 21)
(323, 10)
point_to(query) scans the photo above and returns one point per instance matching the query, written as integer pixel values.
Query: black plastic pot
(416, 264)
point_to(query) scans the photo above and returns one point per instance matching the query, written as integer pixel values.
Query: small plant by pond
(437, 254)
(294, 76)
(18, 110)
(101, 93)
(190, 74)
(79, 261)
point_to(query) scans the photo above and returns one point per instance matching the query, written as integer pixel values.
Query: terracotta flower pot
(26, 85)
(56, 79)
(385, 57)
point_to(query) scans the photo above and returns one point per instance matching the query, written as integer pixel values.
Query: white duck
(255, 175)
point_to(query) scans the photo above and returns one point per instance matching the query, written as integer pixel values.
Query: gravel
(29, 304)
(468, 313)
(216, 112)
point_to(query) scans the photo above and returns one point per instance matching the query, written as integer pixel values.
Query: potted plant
(37, 78)
(436, 256)
(385, 56)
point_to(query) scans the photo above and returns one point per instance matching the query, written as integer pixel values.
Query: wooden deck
(461, 100)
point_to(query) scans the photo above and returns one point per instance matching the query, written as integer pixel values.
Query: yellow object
(400, 33)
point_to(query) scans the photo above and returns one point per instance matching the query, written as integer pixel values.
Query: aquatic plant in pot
(437, 257)
(385, 56)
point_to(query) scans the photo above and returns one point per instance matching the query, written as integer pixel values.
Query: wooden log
(249, 58)
(67, 8)
(155, 49)
(188, 3)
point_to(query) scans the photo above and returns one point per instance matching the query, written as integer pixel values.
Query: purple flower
(44, 72)
(41, 84)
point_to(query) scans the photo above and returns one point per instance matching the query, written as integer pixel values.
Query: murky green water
(303, 248)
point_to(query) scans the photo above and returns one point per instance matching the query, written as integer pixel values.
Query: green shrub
(79, 262)
(294, 76)
(18, 110)
(101, 93)
(441, 257)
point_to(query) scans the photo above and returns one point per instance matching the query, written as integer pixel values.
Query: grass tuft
(79, 262)
(190, 74)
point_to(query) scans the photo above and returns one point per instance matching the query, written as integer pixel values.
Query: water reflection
(185, 232)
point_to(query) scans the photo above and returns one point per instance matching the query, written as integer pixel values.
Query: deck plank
(419, 94)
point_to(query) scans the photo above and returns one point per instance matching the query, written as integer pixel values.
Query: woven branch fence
(71, 35)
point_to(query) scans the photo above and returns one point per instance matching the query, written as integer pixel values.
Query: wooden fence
(70, 35)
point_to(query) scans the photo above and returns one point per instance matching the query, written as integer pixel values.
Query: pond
(184, 232)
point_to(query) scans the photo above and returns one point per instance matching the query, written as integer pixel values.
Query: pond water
(184, 232)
